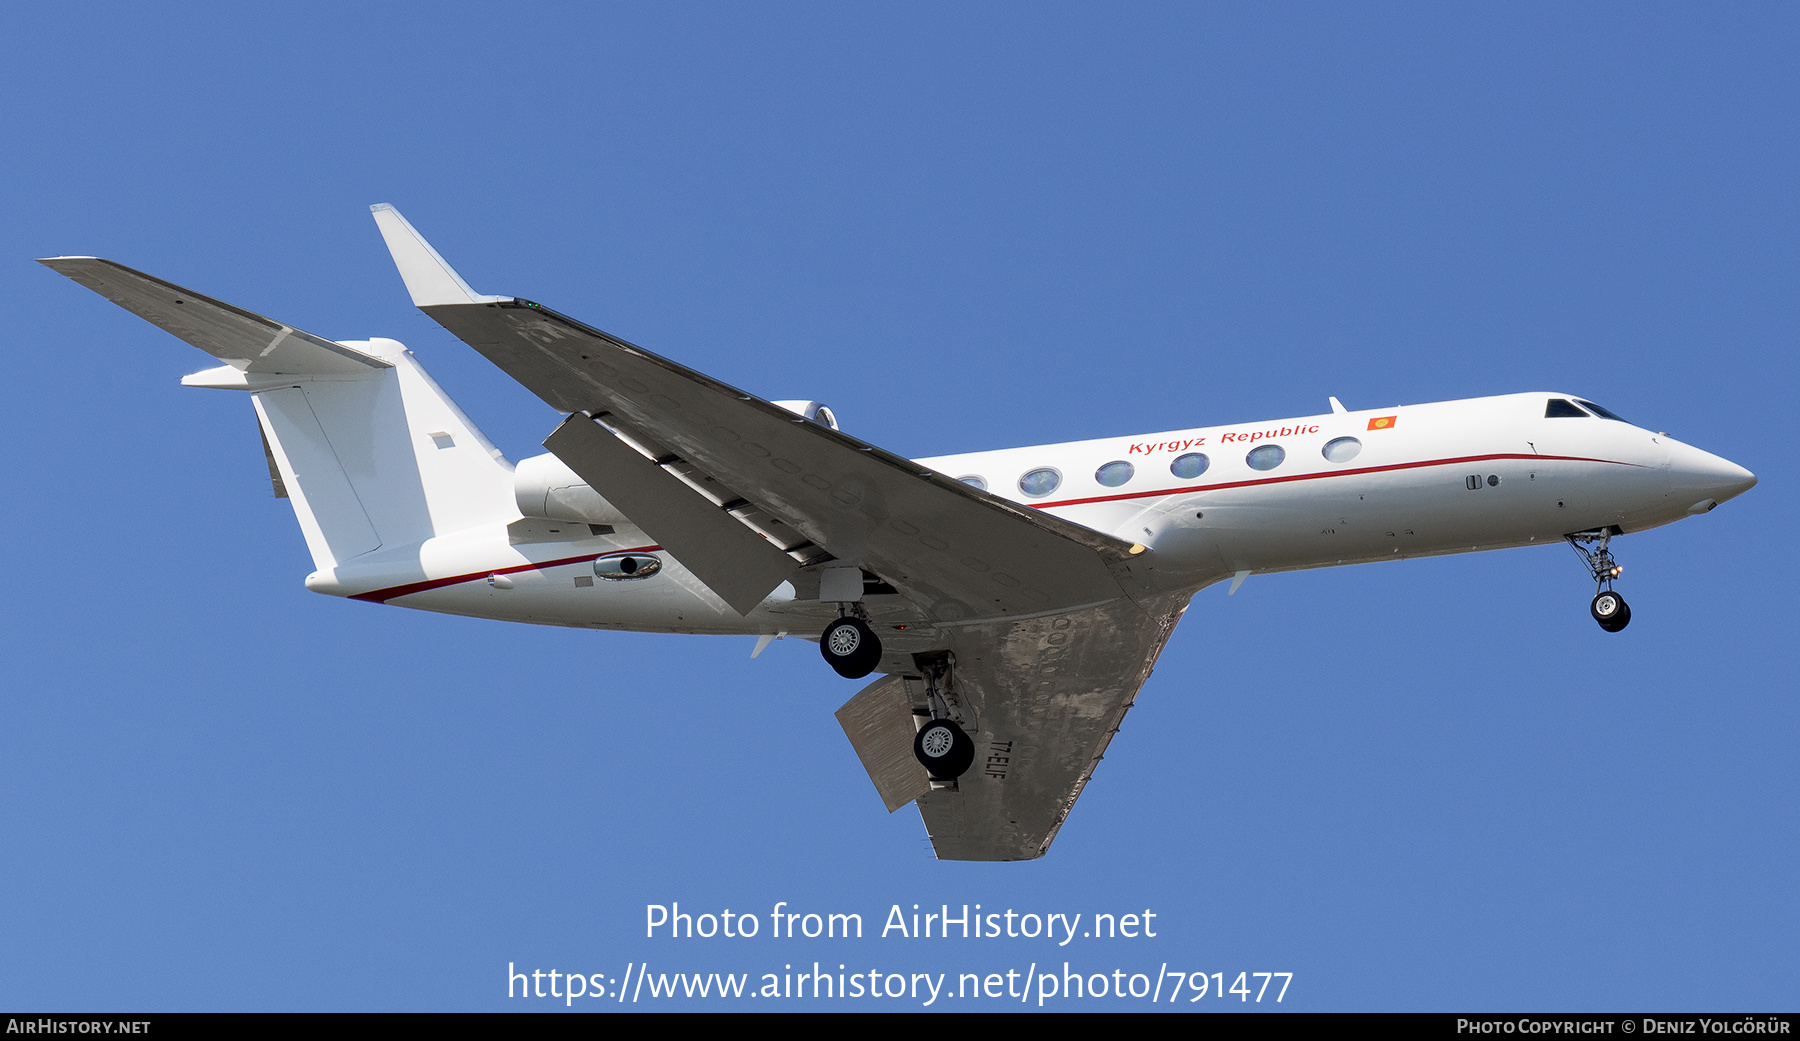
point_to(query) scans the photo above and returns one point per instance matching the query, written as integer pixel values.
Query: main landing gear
(941, 746)
(849, 645)
(1607, 607)
(944, 750)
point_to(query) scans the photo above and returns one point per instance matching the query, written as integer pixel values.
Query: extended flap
(879, 723)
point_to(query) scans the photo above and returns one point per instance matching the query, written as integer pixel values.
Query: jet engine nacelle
(817, 411)
(547, 489)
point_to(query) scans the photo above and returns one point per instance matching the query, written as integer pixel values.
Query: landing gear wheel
(1608, 607)
(1610, 610)
(850, 647)
(944, 749)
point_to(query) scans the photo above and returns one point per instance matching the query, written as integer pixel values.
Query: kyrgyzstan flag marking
(1382, 422)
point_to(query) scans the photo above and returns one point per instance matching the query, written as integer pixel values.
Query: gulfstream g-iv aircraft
(1013, 601)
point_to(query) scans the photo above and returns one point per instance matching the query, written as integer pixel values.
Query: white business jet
(1014, 600)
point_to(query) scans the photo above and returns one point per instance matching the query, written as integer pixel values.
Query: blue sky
(1425, 785)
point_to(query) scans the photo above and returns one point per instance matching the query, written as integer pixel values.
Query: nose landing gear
(1607, 607)
(1610, 610)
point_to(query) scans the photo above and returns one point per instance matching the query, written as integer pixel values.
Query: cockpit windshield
(1598, 411)
(1563, 408)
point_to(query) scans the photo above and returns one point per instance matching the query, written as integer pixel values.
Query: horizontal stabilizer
(243, 339)
(428, 277)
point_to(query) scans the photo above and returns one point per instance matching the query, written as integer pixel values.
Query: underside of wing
(1040, 697)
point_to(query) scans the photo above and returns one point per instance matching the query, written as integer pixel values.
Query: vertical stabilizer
(382, 461)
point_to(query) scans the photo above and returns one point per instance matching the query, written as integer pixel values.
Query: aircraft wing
(1041, 697)
(1049, 631)
(958, 552)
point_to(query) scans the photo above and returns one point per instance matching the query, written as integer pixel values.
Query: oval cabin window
(1342, 449)
(626, 566)
(1115, 473)
(1040, 482)
(1265, 457)
(1190, 466)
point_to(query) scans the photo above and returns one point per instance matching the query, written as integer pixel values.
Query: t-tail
(374, 456)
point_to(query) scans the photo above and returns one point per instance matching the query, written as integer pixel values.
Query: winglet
(428, 277)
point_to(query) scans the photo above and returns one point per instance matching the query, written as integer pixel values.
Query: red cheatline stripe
(1332, 473)
(379, 596)
(384, 595)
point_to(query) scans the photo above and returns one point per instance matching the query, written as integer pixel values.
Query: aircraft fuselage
(1316, 491)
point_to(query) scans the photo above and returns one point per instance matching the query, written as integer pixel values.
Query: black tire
(944, 750)
(1610, 610)
(850, 648)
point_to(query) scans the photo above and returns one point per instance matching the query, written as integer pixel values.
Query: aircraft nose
(1704, 479)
